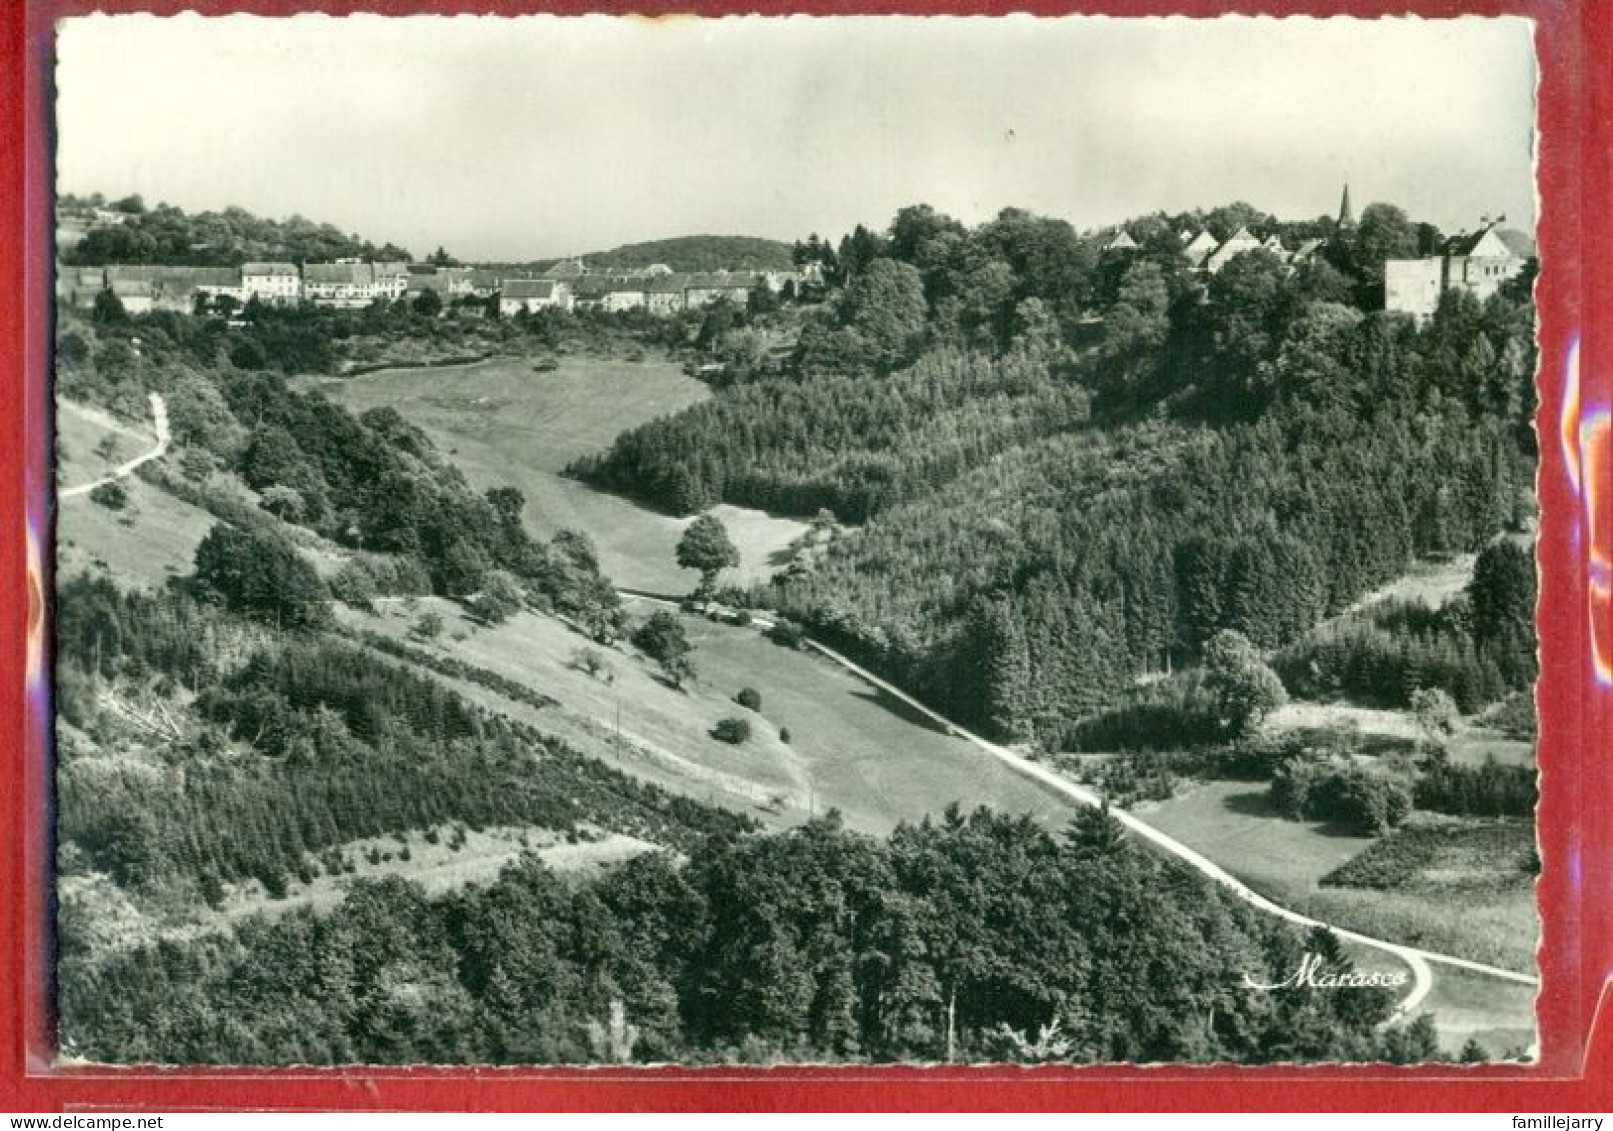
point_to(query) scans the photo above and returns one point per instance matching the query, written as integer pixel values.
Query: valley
(504, 421)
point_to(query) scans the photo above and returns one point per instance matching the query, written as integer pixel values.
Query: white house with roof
(624, 294)
(533, 295)
(277, 283)
(1240, 241)
(1198, 248)
(703, 290)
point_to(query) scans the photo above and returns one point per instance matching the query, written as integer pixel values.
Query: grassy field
(1383, 731)
(1234, 824)
(1499, 1015)
(503, 422)
(437, 860)
(1431, 581)
(152, 539)
(86, 450)
(851, 748)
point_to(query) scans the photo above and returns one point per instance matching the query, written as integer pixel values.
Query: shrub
(662, 638)
(732, 730)
(1129, 778)
(784, 735)
(259, 573)
(429, 626)
(1490, 790)
(1339, 791)
(592, 662)
(500, 597)
(114, 496)
(1436, 716)
(1245, 690)
(1514, 717)
(787, 633)
(749, 698)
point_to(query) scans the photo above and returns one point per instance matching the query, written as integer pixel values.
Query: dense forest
(165, 234)
(1250, 450)
(973, 937)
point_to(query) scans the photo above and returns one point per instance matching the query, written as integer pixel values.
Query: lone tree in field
(661, 638)
(1245, 689)
(705, 546)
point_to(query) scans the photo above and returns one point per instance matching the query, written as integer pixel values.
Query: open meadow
(1235, 824)
(505, 422)
(851, 748)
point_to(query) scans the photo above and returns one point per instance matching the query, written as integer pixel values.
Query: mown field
(1442, 907)
(850, 747)
(506, 423)
(87, 450)
(152, 539)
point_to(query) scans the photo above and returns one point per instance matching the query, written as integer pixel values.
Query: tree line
(165, 234)
(973, 937)
(1249, 452)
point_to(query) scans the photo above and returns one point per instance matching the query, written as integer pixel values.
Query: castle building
(1478, 263)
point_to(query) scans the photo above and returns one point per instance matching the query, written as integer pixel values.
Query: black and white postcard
(602, 541)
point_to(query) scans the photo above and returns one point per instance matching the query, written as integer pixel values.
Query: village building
(1199, 248)
(485, 281)
(1479, 263)
(1121, 241)
(664, 295)
(588, 292)
(532, 295)
(703, 290)
(777, 281)
(448, 282)
(277, 283)
(351, 285)
(624, 294)
(1306, 252)
(567, 269)
(1241, 241)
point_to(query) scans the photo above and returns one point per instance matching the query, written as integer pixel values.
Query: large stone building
(276, 283)
(354, 284)
(1479, 263)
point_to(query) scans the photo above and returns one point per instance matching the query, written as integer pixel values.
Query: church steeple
(1346, 215)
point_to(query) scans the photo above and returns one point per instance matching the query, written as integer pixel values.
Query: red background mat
(1574, 44)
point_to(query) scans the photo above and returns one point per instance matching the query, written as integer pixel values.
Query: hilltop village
(353, 284)
(1477, 262)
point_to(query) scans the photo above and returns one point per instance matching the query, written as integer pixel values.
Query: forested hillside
(1075, 466)
(977, 937)
(697, 253)
(168, 235)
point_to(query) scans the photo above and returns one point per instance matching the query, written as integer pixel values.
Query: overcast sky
(525, 138)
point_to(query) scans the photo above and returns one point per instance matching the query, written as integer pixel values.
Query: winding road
(1417, 960)
(159, 420)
